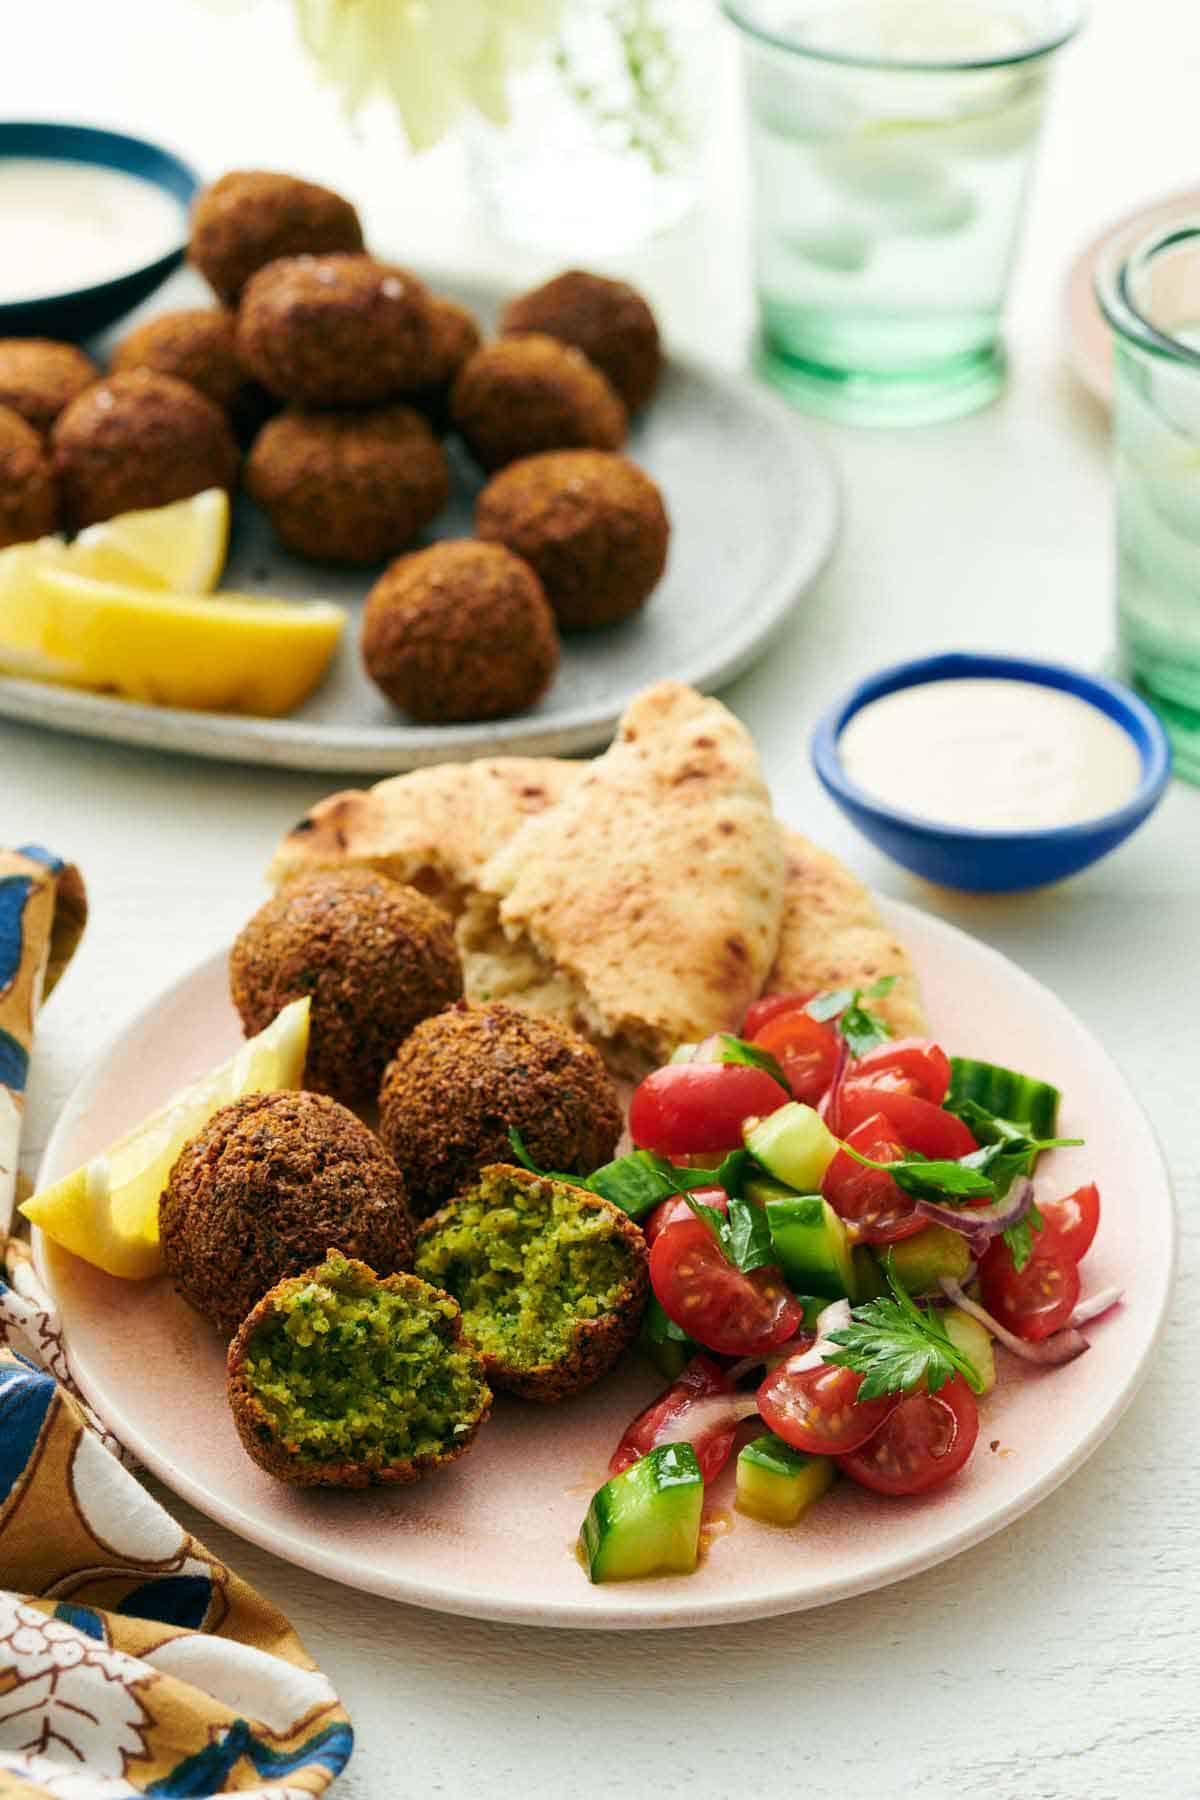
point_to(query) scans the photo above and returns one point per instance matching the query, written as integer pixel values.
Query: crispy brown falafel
(196, 345)
(337, 330)
(592, 525)
(136, 440)
(269, 1184)
(28, 490)
(608, 320)
(252, 216)
(39, 377)
(552, 1280)
(521, 395)
(461, 1080)
(456, 338)
(339, 1379)
(347, 486)
(459, 631)
(375, 957)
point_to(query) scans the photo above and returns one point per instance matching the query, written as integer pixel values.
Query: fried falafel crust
(251, 217)
(520, 395)
(139, 439)
(28, 490)
(608, 320)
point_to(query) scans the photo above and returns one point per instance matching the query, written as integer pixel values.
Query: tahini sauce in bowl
(66, 225)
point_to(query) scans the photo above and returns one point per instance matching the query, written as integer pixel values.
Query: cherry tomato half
(690, 1108)
(1069, 1224)
(670, 1212)
(868, 1200)
(768, 1008)
(922, 1442)
(665, 1421)
(806, 1050)
(1036, 1300)
(818, 1409)
(699, 1288)
(916, 1123)
(907, 1066)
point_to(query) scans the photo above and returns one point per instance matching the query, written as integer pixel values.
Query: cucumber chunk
(646, 1521)
(919, 1262)
(811, 1244)
(663, 1342)
(1021, 1098)
(776, 1483)
(975, 1342)
(793, 1144)
(869, 1282)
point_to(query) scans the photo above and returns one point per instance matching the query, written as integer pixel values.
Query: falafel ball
(337, 330)
(265, 1189)
(374, 956)
(456, 337)
(39, 377)
(339, 1379)
(460, 1081)
(591, 524)
(521, 395)
(459, 631)
(251, 217)
(139, 439)
(196, 344)
(348, 487)
(552, 1280)
(28, 490)
(608, 320)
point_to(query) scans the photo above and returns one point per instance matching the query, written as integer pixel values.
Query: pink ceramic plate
(492, 1536)
(1089, 340)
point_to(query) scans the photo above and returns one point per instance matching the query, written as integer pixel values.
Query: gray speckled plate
(753, 506)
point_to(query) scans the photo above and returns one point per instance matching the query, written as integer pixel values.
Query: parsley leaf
(743, 1236)
(737, 1050)
(1007, 1150)
(1019, 1237)
(932, 1180)
(861, 1029)
(636, 1183)
(895, 1346)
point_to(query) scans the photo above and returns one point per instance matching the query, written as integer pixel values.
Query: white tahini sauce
(67, 225)
(999, 755)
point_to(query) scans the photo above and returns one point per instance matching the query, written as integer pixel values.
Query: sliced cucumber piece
(761, 1188)
(920, 1261)
(646, 1521)
(869, 1282)
(1021, 1098)
(776, 1483)
(975, 1342)
(794, 1145)
(811, 1244)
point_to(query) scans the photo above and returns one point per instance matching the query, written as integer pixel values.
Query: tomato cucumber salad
(841, 1227)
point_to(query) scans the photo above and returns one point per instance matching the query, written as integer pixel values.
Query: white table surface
(1060, 1659)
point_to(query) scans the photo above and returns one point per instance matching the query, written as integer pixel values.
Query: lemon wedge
(107, 1211)
(227, 652)
(180, 547)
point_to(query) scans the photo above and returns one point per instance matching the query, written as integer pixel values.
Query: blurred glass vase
(600, 150)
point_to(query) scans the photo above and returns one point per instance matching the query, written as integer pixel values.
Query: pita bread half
(832, 936)
(643, 908)
(433, 829)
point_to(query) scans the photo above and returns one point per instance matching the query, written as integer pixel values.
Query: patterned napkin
(132, 1661)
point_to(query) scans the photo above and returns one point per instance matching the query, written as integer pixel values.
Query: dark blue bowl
(994, 862)
(82, 312)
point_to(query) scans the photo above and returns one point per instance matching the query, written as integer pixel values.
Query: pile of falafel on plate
(379, 1285)
(327, 380)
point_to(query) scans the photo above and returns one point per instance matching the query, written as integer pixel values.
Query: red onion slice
(980, 1224)
(1095, 1305)
(803, 1351)
(1060, 1347)
(705, 1416)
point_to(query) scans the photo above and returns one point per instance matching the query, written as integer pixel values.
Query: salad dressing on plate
(990, 753)
(67, 225)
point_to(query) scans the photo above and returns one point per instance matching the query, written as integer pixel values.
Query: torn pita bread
(433, 829)
(832, 936)
(644, 908)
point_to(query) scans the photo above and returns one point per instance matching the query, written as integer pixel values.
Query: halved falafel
(591, 524)
(608, 320)
(251, 217)
(339, 1379)
(461, 1079)
(139, 439)
(28, 490)
(264, 1189)
(521, 395)
(552, 1280)
(376, 958)
(337, 330)
(459, 631)
(348, 487)
(39, 377)
(196, 345)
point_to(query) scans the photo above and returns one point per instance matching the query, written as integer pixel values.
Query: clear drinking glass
(891, 146)
(1152, 301)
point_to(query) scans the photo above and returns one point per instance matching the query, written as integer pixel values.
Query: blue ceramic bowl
(82, 312)
(994, 862)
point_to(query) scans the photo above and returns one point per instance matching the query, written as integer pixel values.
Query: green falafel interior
(350, 1369)
(529, 1259)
